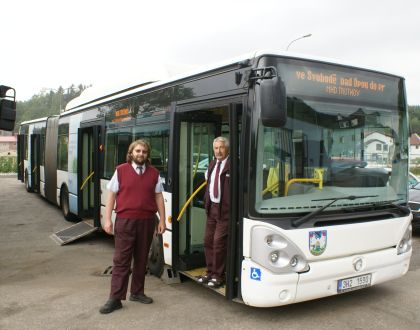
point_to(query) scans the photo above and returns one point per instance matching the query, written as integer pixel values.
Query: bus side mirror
(273, 102)
(7, 109)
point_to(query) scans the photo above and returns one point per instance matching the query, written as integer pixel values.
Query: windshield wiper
(309, 216)
(403, 208)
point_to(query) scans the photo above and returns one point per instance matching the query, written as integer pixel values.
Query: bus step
(74, 232)
(195, 273)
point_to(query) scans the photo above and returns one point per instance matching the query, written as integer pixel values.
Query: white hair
(222, 139)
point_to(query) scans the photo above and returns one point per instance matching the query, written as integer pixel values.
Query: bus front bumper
(263, 288)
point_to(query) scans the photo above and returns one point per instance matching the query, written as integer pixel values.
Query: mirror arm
(268, 72)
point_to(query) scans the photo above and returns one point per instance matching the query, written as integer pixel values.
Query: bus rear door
(89, 151)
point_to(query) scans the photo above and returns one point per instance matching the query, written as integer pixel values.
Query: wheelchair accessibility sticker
(255, 274)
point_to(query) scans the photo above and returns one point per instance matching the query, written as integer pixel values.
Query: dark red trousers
(215, 243)
(132, 243)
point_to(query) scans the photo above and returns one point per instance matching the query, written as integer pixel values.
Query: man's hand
(108, 227)
(161, 227)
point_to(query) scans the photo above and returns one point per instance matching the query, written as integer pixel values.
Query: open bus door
(20, 157)
(35, 157)
(196, 133)
(88, 186)
(192, 136)
(89, 178)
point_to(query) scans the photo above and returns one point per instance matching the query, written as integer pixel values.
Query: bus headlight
(405, 244)
(275, 252)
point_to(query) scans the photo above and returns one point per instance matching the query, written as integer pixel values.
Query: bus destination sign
(328, 80)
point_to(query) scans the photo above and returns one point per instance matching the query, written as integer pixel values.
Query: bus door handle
(87, 179)
(189, 200)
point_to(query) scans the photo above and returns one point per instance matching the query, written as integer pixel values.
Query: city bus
(309, 218)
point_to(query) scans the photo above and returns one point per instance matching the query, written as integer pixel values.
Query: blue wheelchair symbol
(255, 274)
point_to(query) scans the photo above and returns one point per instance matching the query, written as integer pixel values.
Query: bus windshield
(332, 147)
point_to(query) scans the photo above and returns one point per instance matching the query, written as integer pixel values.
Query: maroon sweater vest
(136, 197)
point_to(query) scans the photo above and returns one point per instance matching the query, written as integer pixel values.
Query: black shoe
(110, 306)
(141, 298)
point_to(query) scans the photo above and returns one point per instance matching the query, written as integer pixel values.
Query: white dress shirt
(114, 185)
(212, 178)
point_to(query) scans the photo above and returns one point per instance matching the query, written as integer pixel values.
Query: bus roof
(93, 97)
(38, 120)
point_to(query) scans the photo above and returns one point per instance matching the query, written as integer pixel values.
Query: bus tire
(65, 205)
(156, 259)
(28, 188)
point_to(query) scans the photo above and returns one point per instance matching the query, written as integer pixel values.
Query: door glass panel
(196, 150)
(85, 169)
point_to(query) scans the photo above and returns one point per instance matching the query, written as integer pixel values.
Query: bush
(8, 164)
(415, 170)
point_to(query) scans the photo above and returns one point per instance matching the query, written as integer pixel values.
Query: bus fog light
(272, 250)
(274, 256)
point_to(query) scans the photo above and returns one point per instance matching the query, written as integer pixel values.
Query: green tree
(46, 103)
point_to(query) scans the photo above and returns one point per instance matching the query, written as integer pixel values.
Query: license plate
(354, 283)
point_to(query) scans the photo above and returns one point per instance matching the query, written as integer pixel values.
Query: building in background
(415, 149)
(8, 145)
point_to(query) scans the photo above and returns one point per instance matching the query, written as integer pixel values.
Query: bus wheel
(65, 206)
(156, 260)
(28, 188)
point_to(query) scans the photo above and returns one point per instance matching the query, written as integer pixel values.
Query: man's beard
(139, 161)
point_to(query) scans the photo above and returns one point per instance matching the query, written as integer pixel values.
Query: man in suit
(217, 201)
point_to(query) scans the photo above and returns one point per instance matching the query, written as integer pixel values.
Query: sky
(51, 43)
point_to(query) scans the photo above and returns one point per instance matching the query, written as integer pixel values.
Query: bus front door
(194, 151)
(88, 177)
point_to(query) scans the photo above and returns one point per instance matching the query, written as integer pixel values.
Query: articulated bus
(314, 212)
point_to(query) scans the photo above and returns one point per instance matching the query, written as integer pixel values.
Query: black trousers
(215, 243)
(132, 243)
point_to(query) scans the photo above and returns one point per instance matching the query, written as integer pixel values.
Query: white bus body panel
(374, 242)
(62, 178)
(167, 235)
(42, 181)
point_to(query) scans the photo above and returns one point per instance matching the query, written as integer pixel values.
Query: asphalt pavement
(46, 286)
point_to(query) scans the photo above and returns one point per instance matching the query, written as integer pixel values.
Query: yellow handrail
(318, 178)
(291, 181)
(33, 171)
(189, 200)
(87, 179)
(270, 188)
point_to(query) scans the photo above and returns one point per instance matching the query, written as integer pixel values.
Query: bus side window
(110, 154)
(158, 137)
(124, 140)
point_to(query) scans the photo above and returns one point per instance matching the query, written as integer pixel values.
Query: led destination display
(322, 80)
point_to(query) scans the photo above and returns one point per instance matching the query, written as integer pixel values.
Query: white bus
(308, 218)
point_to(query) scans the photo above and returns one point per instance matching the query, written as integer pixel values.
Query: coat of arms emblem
(317, 242)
